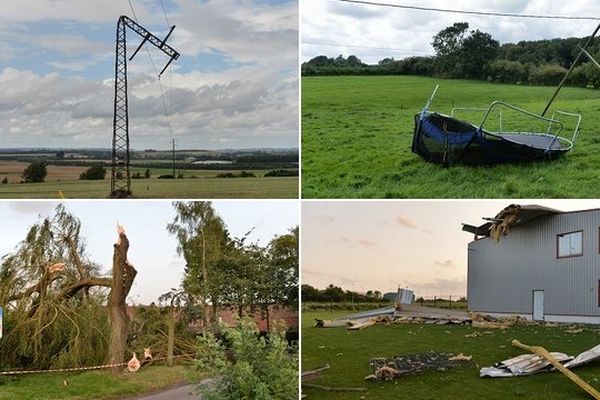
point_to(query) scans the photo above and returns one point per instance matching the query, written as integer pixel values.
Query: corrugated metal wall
(502, 276)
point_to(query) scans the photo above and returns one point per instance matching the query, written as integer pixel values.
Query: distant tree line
(335, 294)
(471, 54)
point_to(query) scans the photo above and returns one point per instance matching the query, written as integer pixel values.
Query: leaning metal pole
(120, 181)
(560, 85)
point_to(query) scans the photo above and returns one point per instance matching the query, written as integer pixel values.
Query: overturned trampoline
(447, 140)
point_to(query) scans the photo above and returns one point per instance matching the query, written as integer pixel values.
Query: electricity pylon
(120, 180)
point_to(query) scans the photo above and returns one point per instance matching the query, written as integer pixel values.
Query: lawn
(97, 385)
(348, 354)
(357, 132)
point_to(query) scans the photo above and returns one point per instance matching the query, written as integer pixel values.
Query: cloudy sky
(331, 27)
(383, 244)
(152, 249)
(235, 85)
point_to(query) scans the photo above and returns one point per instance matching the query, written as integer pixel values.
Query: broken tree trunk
(542, 352)
(123, 275)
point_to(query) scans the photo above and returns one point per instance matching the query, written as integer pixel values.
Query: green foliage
(147, 173)
(242, 174)
(35, 172)
(335, 294)
(95, 172)
(282, 172)
(547, 75)
(5, 180)
(248, 366)
(357, 133)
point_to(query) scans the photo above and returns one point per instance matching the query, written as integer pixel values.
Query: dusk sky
(379, 245)
(152, 249)
(234, 86)
(331, 27)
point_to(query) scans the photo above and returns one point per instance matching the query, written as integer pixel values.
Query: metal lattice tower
(120, 182)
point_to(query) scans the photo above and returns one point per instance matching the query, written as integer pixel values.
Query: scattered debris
(542, 352)
(334, 388)
(460, 357)
(527, 364)
(134, 364)
(387, 369)
(574, 330)
(329, 323)
(315, 373)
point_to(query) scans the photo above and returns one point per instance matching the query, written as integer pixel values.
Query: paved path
(181, 393)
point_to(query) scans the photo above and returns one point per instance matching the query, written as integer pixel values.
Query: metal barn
(538, 263)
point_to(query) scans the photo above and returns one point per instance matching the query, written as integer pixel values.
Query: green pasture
(200, 187)
(348, 353)
(357, 132)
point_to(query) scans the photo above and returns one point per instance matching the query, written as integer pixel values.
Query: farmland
(64, 181)
(357, 132)
(348, 354)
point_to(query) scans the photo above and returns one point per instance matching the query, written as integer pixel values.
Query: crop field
(348, 353)
(357, 132)
(64, 181)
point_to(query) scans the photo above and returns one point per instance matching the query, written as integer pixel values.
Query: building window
(569, 244)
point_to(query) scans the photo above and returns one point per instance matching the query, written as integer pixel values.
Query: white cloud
(409, 32)
(253, 102)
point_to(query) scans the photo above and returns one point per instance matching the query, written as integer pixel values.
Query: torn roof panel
(513, 215)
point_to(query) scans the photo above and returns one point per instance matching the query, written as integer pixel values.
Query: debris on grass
(392, 368)
(542, 352)
(528, 364)
(316, 373)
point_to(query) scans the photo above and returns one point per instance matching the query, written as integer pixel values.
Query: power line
(165, 13)
(162, 92)
(484, 13)
(363, 47)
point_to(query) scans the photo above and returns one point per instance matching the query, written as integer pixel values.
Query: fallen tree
(46, 287)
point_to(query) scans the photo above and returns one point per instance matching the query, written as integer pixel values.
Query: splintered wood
(387, 369)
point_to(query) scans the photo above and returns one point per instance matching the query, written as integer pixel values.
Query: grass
(348, 354)
(195, 184)
(277, 187)
(98, 385)
(357, 132)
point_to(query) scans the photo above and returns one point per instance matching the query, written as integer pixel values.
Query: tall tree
(201, 235)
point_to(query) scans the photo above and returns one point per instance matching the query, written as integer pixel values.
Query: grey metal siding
(502, 276)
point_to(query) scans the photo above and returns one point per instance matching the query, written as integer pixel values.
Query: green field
(348, 354)
(357, 132)
(96, 385)
(207, 187)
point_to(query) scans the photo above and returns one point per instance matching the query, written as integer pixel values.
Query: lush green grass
(357, 131)
(348, 354)
(98, 385)
(260, 187)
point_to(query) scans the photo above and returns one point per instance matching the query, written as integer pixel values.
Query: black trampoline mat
(535, 140)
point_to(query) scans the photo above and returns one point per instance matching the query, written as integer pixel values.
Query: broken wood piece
(361, 324)
(334, 388)
(331, 323)
(315, 371)
(542, 352)
(461, 357)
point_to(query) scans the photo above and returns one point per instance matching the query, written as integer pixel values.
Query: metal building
(538, 263)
